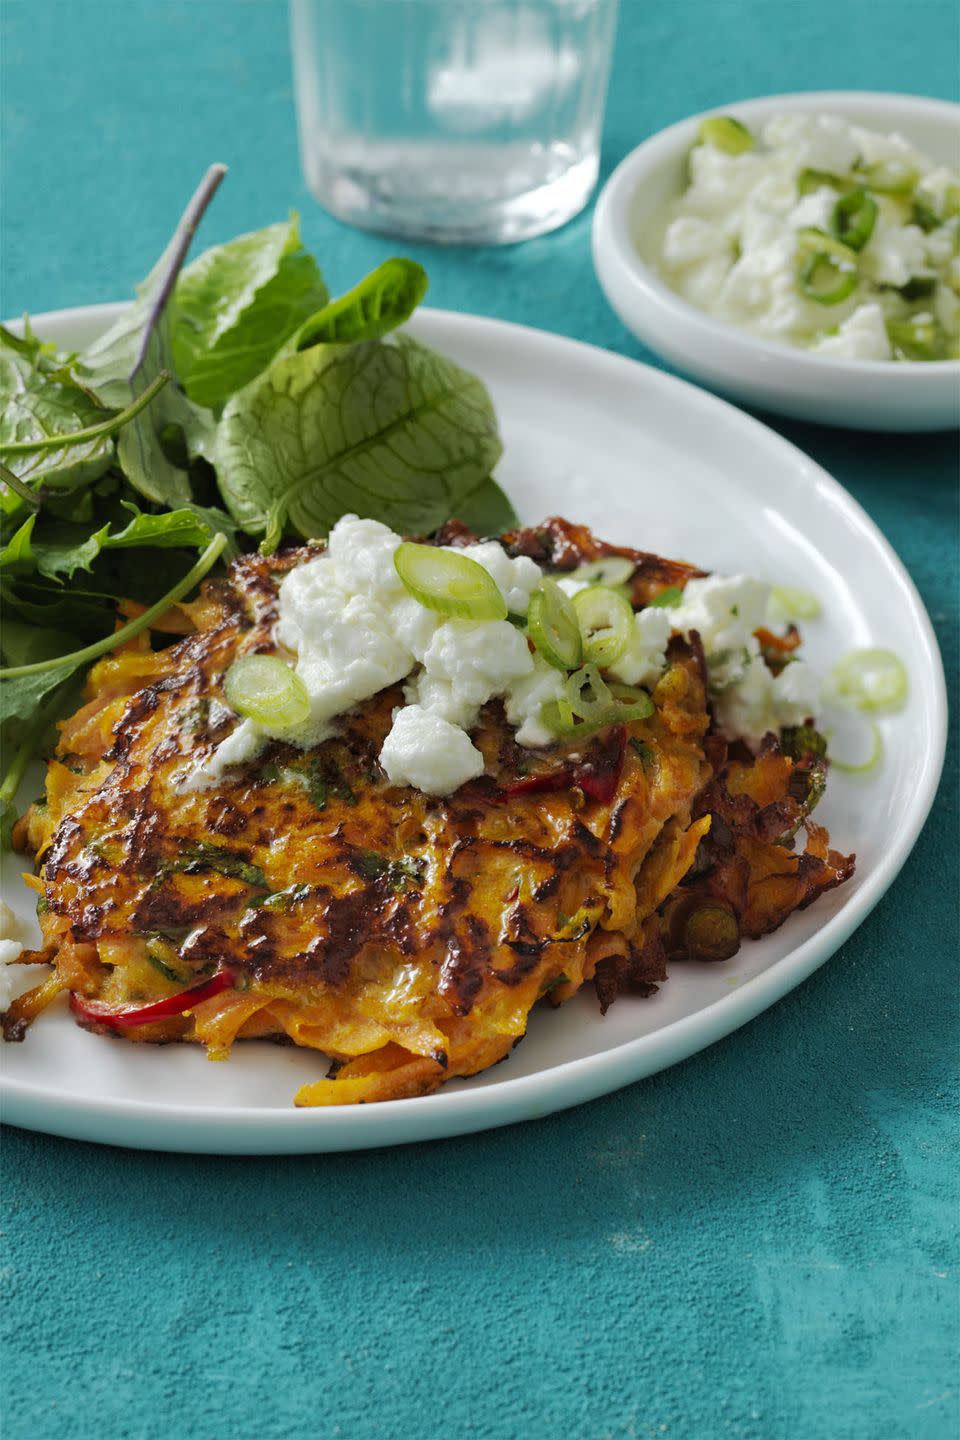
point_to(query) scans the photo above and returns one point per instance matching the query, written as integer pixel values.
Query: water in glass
(453, 120)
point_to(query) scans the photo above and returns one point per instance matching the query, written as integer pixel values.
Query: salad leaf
(18, 551)
(393, 431)
(66, 549)
(40, 397)
(20, 697)
(384, 300)
(44, 604)
(487, 510)
(188, 528)
(235, 306)
(58, 550)
(125, 361)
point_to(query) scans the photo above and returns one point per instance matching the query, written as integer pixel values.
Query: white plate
(649, 461)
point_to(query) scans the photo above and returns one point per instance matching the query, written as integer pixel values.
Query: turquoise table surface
(758, 1243)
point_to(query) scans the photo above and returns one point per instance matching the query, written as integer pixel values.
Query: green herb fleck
(671, 596)
(203, 856)
(371, 865)
(280, 899)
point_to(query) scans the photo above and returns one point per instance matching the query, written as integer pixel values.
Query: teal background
(759, 1243)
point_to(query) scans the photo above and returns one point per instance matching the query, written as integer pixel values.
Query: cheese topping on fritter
(353, 629)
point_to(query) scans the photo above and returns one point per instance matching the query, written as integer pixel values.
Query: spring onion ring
(826, 268)
(854, 217)
(268, 691)
(863, 767)
(920, 338)
(725, 133)
(869, 679)
(795, 604)
(606, 624)
(890, 177)
(609, 570)
(553, 628)
(449, 583)
(590, 705)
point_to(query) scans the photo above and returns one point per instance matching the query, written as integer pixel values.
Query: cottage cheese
(12, 938)
(731, 243)
(352, 629)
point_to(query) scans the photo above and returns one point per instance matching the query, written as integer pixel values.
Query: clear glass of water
(465, 121)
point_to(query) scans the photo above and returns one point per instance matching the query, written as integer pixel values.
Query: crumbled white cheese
(862, 336)
(12, 937)
(352, 630)
(724, 610)
(894, 253)
(643, 660)
(761, 702)
(426, 751)
(731, 245)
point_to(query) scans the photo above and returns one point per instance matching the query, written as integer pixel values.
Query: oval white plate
(654, 462)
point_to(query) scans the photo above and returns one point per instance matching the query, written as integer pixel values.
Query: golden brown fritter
(406, 937)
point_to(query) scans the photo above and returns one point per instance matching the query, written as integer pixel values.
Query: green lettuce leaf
(487, 510)
(18, 551)
(58, 550)
(40, 396)
(393, 431)
(383, 301)
(236, 304)
(123, 362)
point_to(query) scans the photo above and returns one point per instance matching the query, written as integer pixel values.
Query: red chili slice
(101, 1014)
(540, 784)
(599, 776)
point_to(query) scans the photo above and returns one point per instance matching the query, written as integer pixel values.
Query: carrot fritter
(406, 937)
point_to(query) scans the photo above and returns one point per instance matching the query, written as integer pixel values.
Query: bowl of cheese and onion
(800, 254)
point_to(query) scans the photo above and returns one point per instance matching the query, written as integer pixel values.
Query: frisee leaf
(393, 431)
(236, 304)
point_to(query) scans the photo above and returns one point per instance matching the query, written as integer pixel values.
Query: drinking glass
(470, 121)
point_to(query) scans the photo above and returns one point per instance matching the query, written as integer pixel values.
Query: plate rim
(446, 1113)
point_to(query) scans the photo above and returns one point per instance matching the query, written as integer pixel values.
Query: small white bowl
(861, 394)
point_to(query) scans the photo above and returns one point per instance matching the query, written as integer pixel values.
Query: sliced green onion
(609, 570)
(791, 603)
(631, 703)
(810, 180)
(673, 595)
(592, 705)
(267, 690)
(725, 133)
(588, 693)
(449, 583)
(552, 626)
(920, 338)
(925, 216)
(890, 177)
(850, 766)
(870, 679)
(606, 624)
(826, 268)
(919, 287)
(853, 218)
